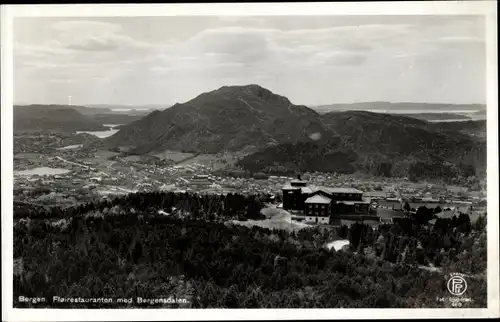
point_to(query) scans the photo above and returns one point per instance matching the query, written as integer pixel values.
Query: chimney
(298, 177)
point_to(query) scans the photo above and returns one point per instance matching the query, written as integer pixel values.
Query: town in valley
(52, 173)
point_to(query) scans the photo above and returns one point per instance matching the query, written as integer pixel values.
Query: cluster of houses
(207, 183)
(319, 204)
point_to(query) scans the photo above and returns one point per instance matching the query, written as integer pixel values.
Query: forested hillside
(53, 118)
(66, 118)
(476, 128)
(133, 251)
(381, 144)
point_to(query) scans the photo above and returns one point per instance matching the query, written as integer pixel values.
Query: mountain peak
(228, 118)
(243, 87)
(255, 90)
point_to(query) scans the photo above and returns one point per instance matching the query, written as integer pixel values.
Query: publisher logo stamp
(457, 285)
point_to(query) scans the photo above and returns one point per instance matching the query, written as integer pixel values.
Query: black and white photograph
(250, 160)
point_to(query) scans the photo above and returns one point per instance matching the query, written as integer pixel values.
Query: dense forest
(286, 159)
(381, 145)
(127, 248)
(207, 207)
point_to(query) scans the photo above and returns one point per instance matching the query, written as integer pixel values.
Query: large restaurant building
(319, 204)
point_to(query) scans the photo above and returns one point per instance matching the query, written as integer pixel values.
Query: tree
(480, 223)
(423, 215)
(254, 207)
(260, 175)
(231, 298)
(232, 266)
(254, 299)
(407, 207)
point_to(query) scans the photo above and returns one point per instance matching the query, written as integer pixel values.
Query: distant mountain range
(53, 118)
(131, 108)
(66, 118)
(277, 136)
(436, 116)
(401, 107)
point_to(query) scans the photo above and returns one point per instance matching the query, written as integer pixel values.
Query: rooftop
(338, 190)
(375, 193)
(318, 199)
(351, 202)
(312, 188)
(306, 190)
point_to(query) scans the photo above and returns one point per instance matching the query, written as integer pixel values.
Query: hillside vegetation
(436, 116)
(475, 128)
(53, 118)
(381, 144)
(122, 248)
(65, 118)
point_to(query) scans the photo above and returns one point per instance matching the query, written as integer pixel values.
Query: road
(81, 165)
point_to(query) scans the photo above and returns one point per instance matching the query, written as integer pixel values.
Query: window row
(315, 206)
(346, 194)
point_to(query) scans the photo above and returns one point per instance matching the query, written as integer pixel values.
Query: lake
(103, 134)
(99, 134)
(69, 147)
(41, 171)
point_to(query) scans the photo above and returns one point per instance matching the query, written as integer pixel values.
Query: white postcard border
(487, 8)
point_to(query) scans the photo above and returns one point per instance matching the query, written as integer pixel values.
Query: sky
(312, 60)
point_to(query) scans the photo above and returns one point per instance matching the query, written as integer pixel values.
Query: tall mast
(69, 96)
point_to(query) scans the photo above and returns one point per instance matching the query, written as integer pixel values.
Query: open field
(215, 162)
(28, 155)
(175, 156)
(276, 219)
(104, 155)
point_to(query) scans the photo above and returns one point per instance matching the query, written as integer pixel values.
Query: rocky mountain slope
(231, 118)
